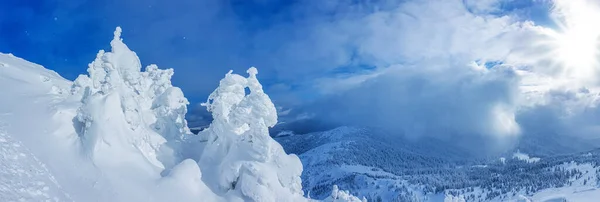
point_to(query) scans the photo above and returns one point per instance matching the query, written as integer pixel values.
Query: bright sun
(578, 37)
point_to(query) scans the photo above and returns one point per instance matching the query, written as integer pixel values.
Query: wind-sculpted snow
(142, 109)
(240, 156)
(119, 134)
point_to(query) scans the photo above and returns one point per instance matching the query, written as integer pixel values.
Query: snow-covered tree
(338, 195)
(135, 119)
(126, 113)
(240, 157)
(451, 198)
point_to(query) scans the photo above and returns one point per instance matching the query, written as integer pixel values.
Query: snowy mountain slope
(30, 98)
(366, 161)
(371, 164)
(583, 186)
(41, 113)
(119, 134)
(24, 177)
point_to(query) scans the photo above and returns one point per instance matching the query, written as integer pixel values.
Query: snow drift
(119, 134)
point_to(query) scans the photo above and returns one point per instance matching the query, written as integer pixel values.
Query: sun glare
(578, 36)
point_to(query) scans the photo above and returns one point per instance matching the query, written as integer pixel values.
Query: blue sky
(201, 40)
(197, 38)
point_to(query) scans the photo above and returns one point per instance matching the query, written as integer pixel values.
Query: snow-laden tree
(126, 113)
(338, 195)
(135, 120)
(240, 158)
(451, 198)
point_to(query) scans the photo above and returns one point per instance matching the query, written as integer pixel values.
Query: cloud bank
(454, 68)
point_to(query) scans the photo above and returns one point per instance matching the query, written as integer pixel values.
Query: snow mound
(17, 71)
(183, 183)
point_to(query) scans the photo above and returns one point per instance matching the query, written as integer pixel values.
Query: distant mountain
(362, 159)
(385, 167)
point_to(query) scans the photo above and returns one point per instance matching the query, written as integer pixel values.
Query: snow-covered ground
(119, 134)
(584, 189)
(24, 177)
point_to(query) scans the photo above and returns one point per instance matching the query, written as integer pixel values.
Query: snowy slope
(585, 188)
(41, 114)
(365, 161)
(370, 163)
(25, 178)
(119, 134)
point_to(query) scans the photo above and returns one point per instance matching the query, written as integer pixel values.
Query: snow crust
(119, 134)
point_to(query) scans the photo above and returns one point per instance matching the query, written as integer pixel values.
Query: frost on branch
(240, 158)
(126, 113)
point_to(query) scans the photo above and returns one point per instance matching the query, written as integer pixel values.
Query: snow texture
(116, 92)
(24, 177)
(248, 161)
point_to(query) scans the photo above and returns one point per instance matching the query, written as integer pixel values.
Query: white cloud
(431, 101)
(424, 86)
(424, 83)
(422, 50)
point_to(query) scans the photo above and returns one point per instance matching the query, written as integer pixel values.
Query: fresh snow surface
(24, 177)
(119, 134)
(584, 189)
